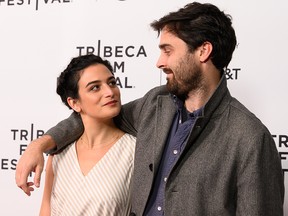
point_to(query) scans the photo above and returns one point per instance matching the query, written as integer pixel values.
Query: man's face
(181, 66)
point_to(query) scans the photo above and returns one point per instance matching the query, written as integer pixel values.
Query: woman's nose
(108, 90)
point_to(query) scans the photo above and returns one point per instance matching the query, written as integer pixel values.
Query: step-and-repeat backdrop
(39, 37)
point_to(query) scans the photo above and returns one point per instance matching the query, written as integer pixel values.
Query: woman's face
(99, 96)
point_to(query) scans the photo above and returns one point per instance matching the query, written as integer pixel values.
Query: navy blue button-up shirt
(181, 127)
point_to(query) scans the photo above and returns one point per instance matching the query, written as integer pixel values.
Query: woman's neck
(99, 135)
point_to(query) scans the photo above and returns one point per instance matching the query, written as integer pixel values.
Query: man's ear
(205, 51)
(73, 103)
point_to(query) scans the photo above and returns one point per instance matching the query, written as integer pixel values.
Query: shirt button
(159, 208)
(175, 152)
(165, 179)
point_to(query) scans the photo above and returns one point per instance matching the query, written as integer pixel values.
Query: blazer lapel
(166, 110)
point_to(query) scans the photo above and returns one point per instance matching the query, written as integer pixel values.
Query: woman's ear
(73, 103)
(205, 51)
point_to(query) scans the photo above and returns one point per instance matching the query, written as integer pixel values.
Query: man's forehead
(167, 38)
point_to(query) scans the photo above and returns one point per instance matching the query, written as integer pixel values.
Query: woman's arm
(49, 177)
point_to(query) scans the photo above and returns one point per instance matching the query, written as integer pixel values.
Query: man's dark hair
(197, 23)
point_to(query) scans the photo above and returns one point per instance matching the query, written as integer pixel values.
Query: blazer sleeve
(66, 132)
(260, 180)
(129, 119)
(133, 113)
(70, 129)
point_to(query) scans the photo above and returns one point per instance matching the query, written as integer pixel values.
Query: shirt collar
(180, 107)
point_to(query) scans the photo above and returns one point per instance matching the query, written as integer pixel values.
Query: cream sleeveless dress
(105, 190)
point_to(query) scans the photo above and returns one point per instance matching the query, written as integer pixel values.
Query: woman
(91, 176)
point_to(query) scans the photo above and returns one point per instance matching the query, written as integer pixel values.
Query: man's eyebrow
(163, 46)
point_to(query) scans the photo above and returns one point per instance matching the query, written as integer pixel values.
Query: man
(199, 151)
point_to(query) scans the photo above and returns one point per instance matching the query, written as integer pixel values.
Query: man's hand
(32, 161)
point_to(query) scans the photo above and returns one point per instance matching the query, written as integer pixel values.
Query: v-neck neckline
(98, 163)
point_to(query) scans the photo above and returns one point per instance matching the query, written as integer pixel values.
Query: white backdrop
(39, 37)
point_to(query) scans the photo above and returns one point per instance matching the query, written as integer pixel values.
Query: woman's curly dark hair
(67, 82)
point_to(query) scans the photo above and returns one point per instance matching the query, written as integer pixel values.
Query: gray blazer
(230, 165)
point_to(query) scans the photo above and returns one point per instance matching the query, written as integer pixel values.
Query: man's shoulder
(158, 90)
(151, 95)
(245, 117)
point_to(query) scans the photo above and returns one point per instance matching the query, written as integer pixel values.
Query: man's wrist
(46, 143)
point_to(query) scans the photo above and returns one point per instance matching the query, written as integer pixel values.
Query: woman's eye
(112, 83)
(95, 88)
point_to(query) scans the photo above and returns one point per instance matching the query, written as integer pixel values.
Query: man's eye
(167, 51)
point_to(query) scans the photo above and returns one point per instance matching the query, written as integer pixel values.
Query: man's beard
(189, 78)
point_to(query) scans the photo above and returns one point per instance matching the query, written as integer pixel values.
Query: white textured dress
(105, 190)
